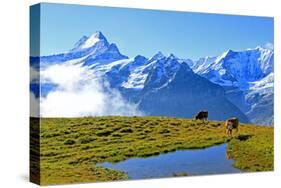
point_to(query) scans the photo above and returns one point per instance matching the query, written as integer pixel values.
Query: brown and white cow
(230, 124)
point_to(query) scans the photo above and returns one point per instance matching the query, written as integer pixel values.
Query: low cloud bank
(81, 93)
(34, 105)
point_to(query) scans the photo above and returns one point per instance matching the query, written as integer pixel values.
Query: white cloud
(34, 75)
(269, 45)
(80, 93)
(34, 105)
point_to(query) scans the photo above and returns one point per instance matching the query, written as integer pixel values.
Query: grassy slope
(71, 146)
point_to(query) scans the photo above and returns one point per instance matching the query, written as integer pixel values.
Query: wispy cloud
(80, 93)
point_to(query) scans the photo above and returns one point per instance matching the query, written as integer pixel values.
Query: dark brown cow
(202, 115)
(230, 124)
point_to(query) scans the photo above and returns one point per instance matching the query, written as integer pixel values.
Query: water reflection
(212, 160)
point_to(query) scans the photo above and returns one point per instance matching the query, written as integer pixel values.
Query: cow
(202, 115)
(230, 124)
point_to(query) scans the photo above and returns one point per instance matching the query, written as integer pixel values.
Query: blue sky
(144, 32)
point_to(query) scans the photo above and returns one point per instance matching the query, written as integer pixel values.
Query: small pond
(212, 160)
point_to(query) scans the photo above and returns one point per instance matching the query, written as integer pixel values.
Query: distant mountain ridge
(236, 69)
(232, 84)
(245, 75)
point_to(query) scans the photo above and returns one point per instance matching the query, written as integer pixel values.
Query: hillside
(70, 147)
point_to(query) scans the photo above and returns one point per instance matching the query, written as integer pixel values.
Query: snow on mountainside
(236, 69)
(133, 74)
(90, 41)
(246, 75)
(87, 49)
(259, 89)
(185, 94)
(137, 74)
(163, 70)
(261, 96)
(264, 85)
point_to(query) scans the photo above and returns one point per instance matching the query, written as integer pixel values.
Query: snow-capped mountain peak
(237, 68)
(159, 55)
(140, 60)
(98, 35)
(80, 42)
(172, 56)
(113, 48)
(90, 41)
(227, 54)
(93, 39)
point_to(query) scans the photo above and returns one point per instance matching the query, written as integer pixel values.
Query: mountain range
(235, 83)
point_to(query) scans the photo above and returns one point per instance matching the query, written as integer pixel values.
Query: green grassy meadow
(70, 147)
